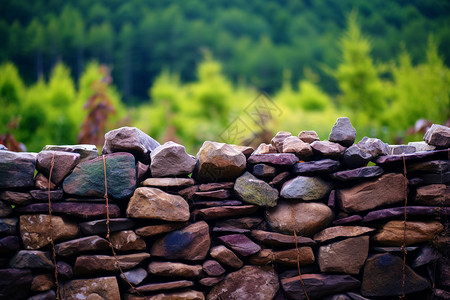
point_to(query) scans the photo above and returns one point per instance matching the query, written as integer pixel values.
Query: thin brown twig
(51, 226)
(404, 230)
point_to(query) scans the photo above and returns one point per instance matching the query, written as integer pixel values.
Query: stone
(265, 149)
(391, 234)
(226, 256)
(332, 199)
(168, 182)
(65, 271)
(212, 268)
(421, 146)
(318, 285)
(348, 220)
(16, 198)
(41, 195)
(76, 209)
(87, 152)
(392, 212)
(308, 136)
(185, 294)
(331, 233)
(210, 281)
(385, 190)
(264, 171)
(217, 203)
(280, 159)
(240, 244)
(355, 296)
(9, 245)
(35, 233)
(152, 287)
(134, 276)
(99, 226)
(441, 294)
(94, 288)
(213, 213)
(230, 230)
(127, 240)
(261, 283)
(152, 230)
(354, 157)
(189, 243)
(295, 145)
(435, 178)
(48, 295)
(217, 194)
(63, 163)
(438, 135)
(317, 167)
(8, 226)
(373, 146)
(291, 257)
(171, 159)
(328, 149)
(382, 277)
(278, 140)
(347, 256)
(244, 222)
(152, 203)
(359, 173)
(41, 182)
(171, 269)
(84, 244)
(400, 149)
(246, 150)
(305, 188)
(3, 148)
(17, 169)
(90, 264)
(343, 132)
(42, 283)
(338, 297)
(88, 178)
(255, 191)
(219, 162)
(431, 166)
(15, 283)
(279, 179)
(411, 157)
(426, 255)
(434, 194)
(277, 239)
(31, 259)
(142, 171)
(206, 187)
(309, 217)
(5, 209)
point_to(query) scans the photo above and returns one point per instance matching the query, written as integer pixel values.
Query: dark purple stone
(319, 166)
(332, 199)
(17, 169)
(364, 172)
(15, 283)
(284, 159)
(48, 295)
(77, 209)
(65, 271)
(426, 255)
(217, 203)
(9, 244)
(348, 220)
(43, 195)
(215, 186)
(218, 194)
(240, 243)
(436, 154)
(280, 178)
(393, 212)
(99, 226)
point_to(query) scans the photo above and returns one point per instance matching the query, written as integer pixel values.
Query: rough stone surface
(213, 213)
(434, 194)
(261, 283)
(86, 152)
(308, 136)
(17, 169)
(240, 244)
(91, 264)
(317, 167)
(171, 159)
(265, 149)
(305, 188)
(341, 231)
(347, 256)
(431, 166)
(8, 226)
(278, 140)
(95, 289)
(41, 283)
(389, 213)
(279, 179)
(85, 244)
(76, 209)
(359, 173)
(264, 171)
(6, 209)
(48, 295)
(65, 271)
(171, 269)
(421, 146)
(152, 287)
(354, 157)
(374, 147)
(99, 226)
(216, 194)
(35, 232)
(168, 182)
(284, 257)
(210, 204)
(210, 281)
(226, 256)
(185, 294)
(343, 132)
(255, 191)
(88, 178)
(438, 135)
(244, 222)
(152, 203)
(142, 171)
(9, 245)
(391, 233)
(190, 243)
(63, 163)
(278, 239)
(213, 268)
(32, 259)
(41, 195)
(300, 148)
(328, 149)
(17, 198)
(246, 150)
(41, 182)
(15, 283)
(386, 190)
(309, 217)
(127, 240)
(135, 276)
(383, 277)
(425, 255)
(281, 159)
(400, 149)
(411, 157)
(152, 230)
(219, 162)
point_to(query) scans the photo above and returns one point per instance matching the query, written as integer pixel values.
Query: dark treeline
(254, 40)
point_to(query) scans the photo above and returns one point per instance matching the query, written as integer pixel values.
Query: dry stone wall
(295, 219)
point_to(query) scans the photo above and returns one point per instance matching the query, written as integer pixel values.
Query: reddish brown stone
(226, 256)
(63, 163)
(85, 244)
(171, 269)
(240, 243)
(244, 222)
(341, 231)
(328, 149)
(79, 209)
(17, 198)
(168, 182)
(218, 194)
(246, 150)
(90, 264)
(206, 204)
(389, 213)
(99, 226)
(285, 257)
(210, 281)
(158, 229)
(152, 287)
(280, 178)
(213, 213)
(308, 136)
(127, 240)
(278, 140)
(42, 283)
(282, 159)
(348, 220)
(32, 259)
(278, 239)
(95, 288)
(434, 194)
(213, 268)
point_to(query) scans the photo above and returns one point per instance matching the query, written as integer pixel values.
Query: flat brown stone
(99, 226)
(284, 257)
(95, 289)
(218, 194)
(213, 268)
(210, 281)
(171, 269)
(152, 287)
(224, 211)
(63, 163)
(17, 198)
(89, 264)
(159, 229)
(168, 182)
(127, 240)
(85, 244)
(340, 231)
(244, 222)
(226, 256)
(279, 239)
(434, 194)
(42, 283)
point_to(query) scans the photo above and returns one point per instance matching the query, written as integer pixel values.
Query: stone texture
(42, 195)
(434, 194)
(430, 166)
(185, 294)
(86, 152)
(219, 162)
(255, 191)
(317, 285)
(386, 190)
(309, 217)
(15, 283)
(6, 209)
(411, 157)
(152, 203)
(8, 226)
(347, 256)
(343, 132)
(9, 244)
(17, 169)
(84, 244)
(48, 295)
(63, 163)
(421, 146)
(189, 243)
(246, 150)
(317, 167)
(383, 277)
(354, 157)
(438, 135)
(212, 268)
(278, 140)
(341, 231)
(391, 233)
(425, 255)
(88, 178)
(359, 173)
(305, 188)
(95, 289)
(206, 187)
(308, 136)
(42, 283)
(277, 239)
(400, 149)
(135, 276)
(226, 256)
(168, 182)
(171, 269)
(16, 198)
(213, 213)
(65, 271)
(35, 233)
(31, 259)
(142, 171)
(281, 159)
(279, 179)
(99, 226)
(210, 281)
(240, 244)
(295, 145)
(260, 283)
(264, 171)
(127, 240)
(76, 209)
(91, 264)
(171, 159)
(205, 204)
(152, 287)
(152, 230)
(389, 213)
(374, 147)
(244, 222)
(348, 220)
(328, 149)
(217, 194)
(284, 257)
(265, 149)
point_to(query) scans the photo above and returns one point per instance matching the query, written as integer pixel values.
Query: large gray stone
(374, 147)
(171, 159)
(328, 149)
(343, 132)
(17, 169)
(255, 191)
(86, 152)
(278, 140)
(354, 157)
(305, 188)
(31, 259)
(438, 135)
(63, 163)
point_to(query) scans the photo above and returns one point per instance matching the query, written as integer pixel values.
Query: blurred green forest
(188, 70)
